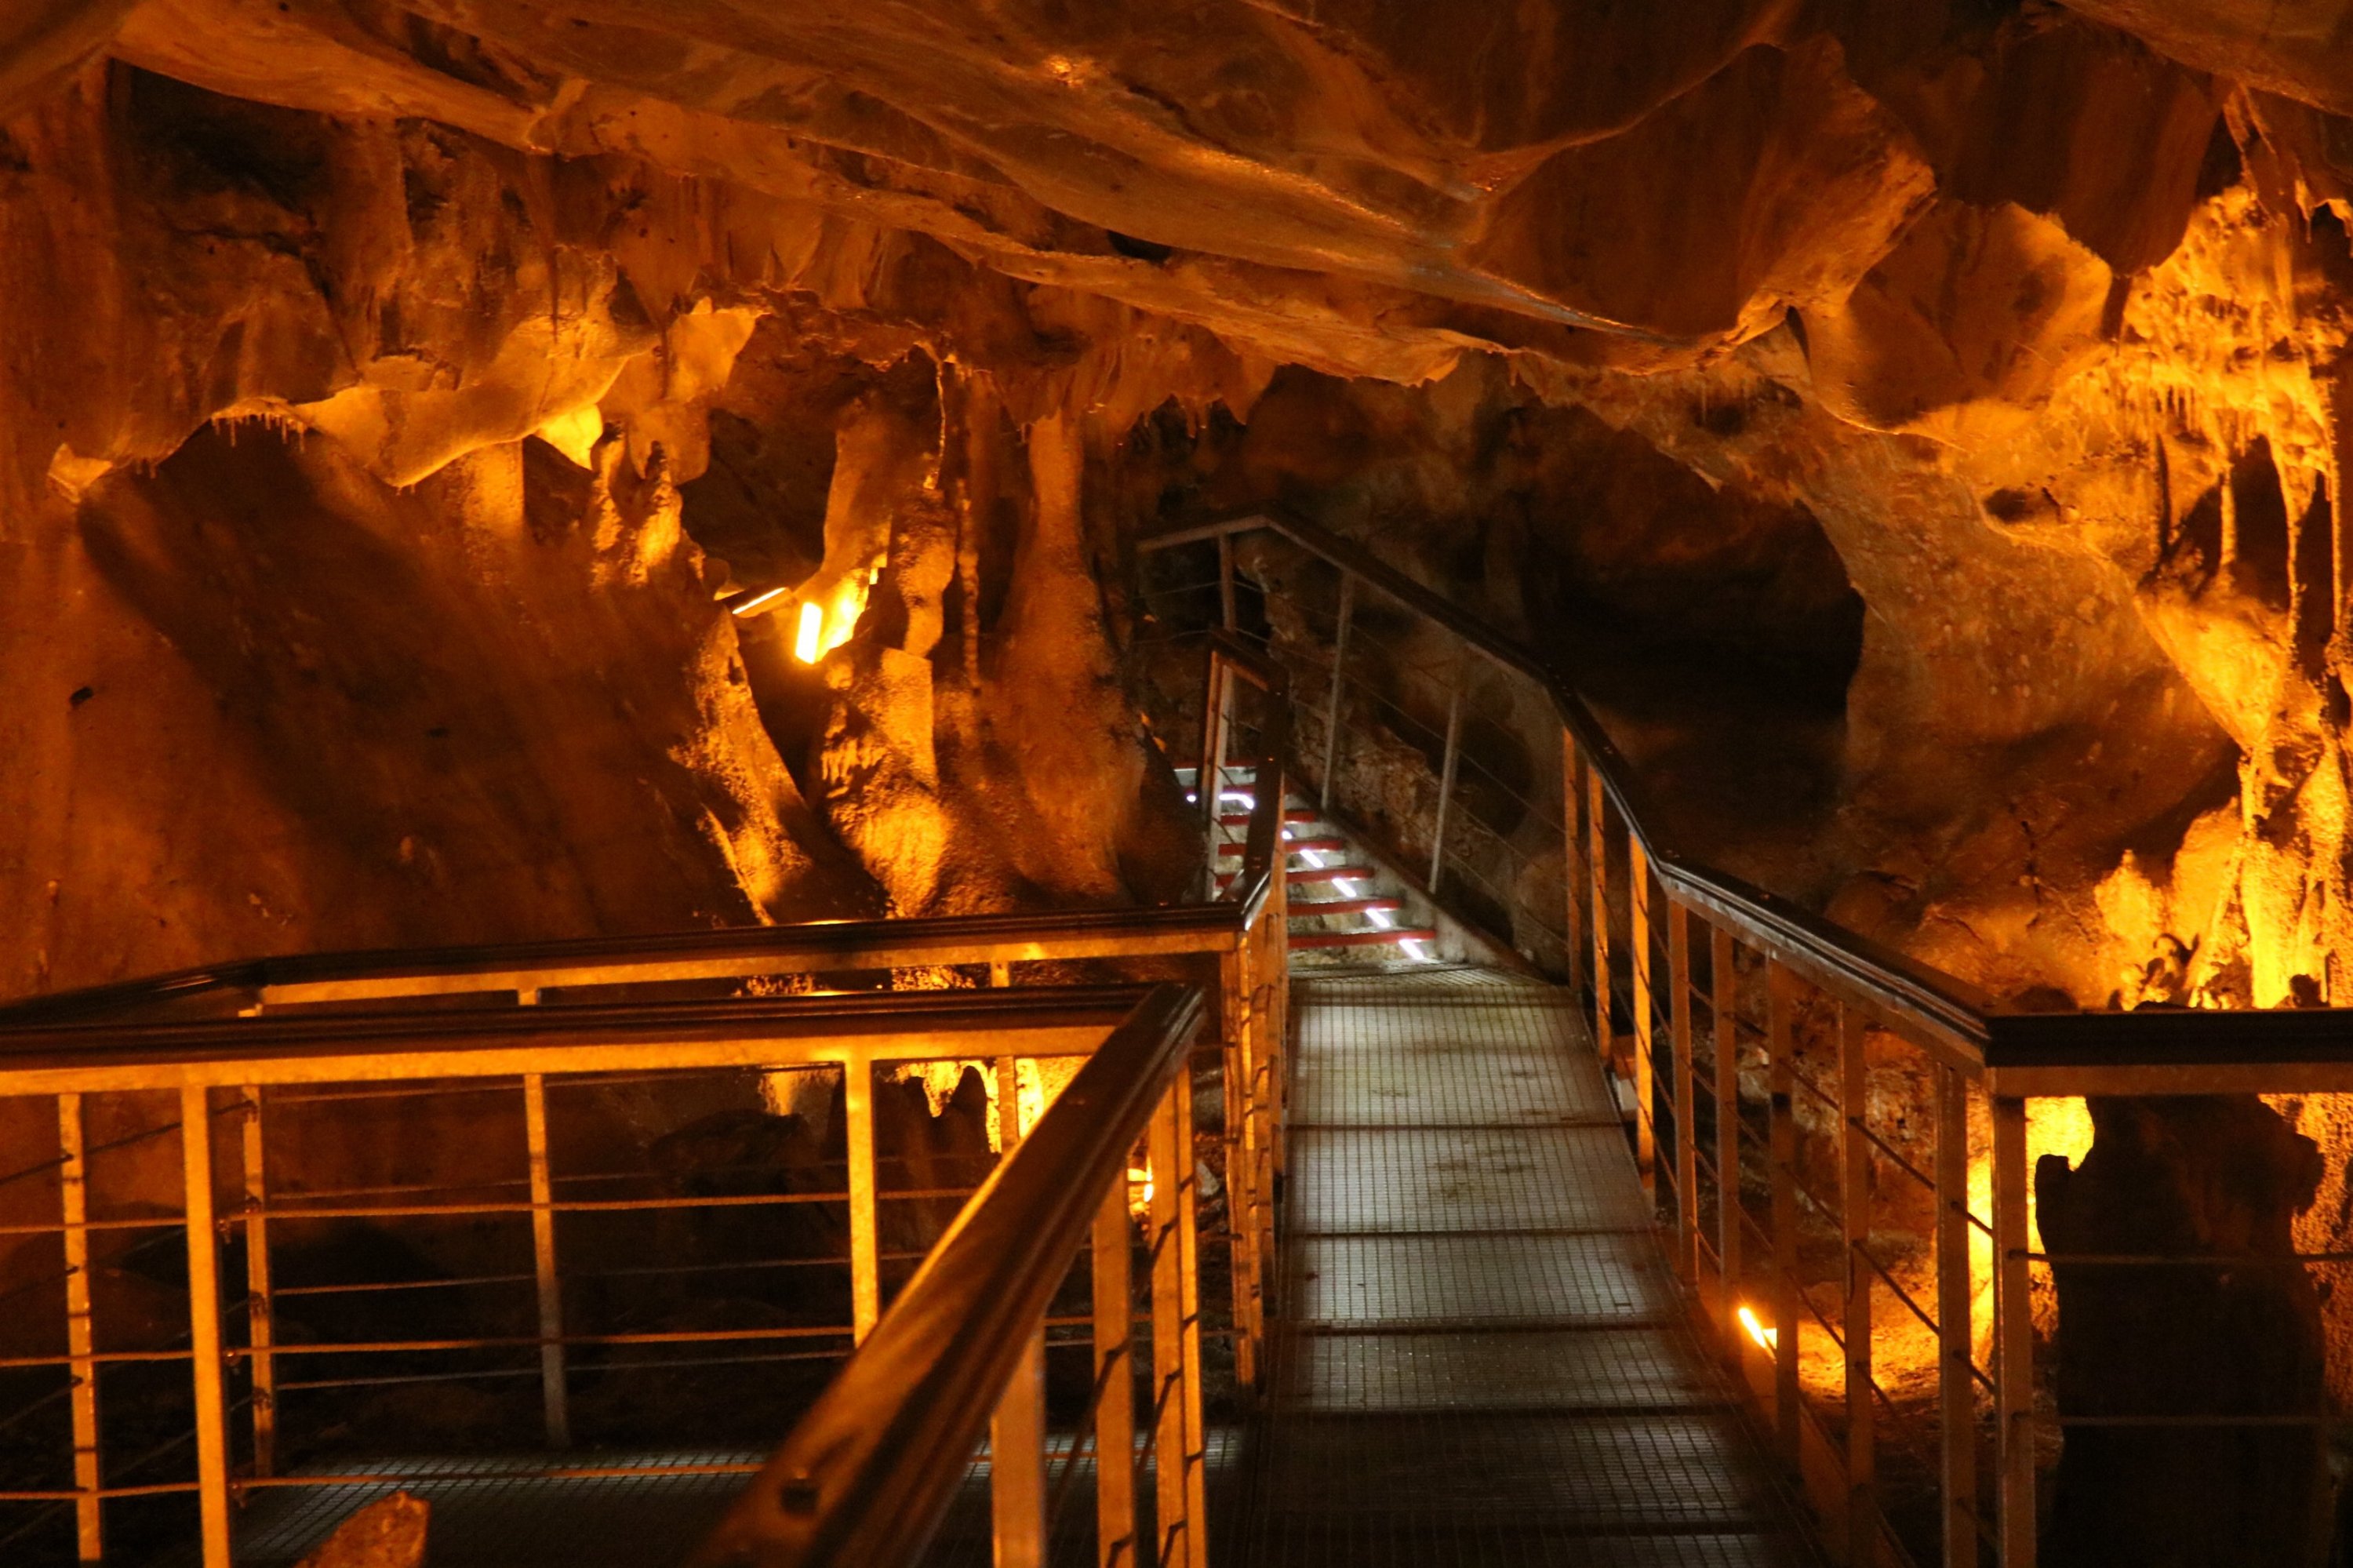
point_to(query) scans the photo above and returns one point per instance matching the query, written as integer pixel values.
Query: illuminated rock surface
(1923, 429)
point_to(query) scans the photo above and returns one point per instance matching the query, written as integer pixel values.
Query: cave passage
(1230, 785)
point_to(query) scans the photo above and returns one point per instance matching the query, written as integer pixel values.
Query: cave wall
(1992, 297)
(1922, 428)
(349, 491)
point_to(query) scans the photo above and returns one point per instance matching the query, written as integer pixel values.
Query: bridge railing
(183, 1112)
(1836, 1134)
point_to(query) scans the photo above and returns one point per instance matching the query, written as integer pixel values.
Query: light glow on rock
(809, 637)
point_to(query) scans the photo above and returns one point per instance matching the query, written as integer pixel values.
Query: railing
(866, 1476)
(1871, 1372)
(265, 1070)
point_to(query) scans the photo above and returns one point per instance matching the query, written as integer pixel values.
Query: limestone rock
(389, 1532)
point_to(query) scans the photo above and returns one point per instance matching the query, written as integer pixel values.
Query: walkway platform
(1483, 1357)
(1484, 1360)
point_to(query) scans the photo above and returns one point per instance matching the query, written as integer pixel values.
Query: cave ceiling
(2035, 314)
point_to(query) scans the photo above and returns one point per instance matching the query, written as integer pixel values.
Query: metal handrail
(866, 1475)
(1969, 1028)
(726, 952)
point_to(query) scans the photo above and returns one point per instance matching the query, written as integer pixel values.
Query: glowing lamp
(1768, 1340)
(809, 637)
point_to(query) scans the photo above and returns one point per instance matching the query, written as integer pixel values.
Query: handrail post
(1225, 615)
(1955, 1388)
(204, 1326)
(1685, 1094)
(1210, 776)
(1855, 1212)
(1572, 795)
(1114, 1413)
(858, 1138)
(1724, 980)
(73, 1193)
(1637, 940)
(2013, 1320)
(554, 1398)
(1446, 772)
(1017, 1429)
(1243, 1030)
(1782, 1152)
(261, 1324)
(1597, 852)
(1177, 1448)
(1339, 674)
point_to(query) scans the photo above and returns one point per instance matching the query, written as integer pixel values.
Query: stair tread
(1306, 908)
(1296, 846)
(1365, 938)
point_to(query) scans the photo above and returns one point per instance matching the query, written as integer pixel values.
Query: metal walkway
(1483, 1358)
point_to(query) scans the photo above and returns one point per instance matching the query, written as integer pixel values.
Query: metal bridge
(1514, 1194)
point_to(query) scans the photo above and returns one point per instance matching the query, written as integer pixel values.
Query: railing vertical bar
(1017, 1428)
(1679, 979)
(1176, 1335)
(1114, 1310)
(1782, 1152)
(1572, 797)
(1596, 851)
(1009, 1105)
(1957, 1389)
(211, 1414)
(857, 1135)
(1339, 677)
(1225, 615)
(1723, 981)
(1448, 769)
(2014, 1334)
(1855, 1204)
(1638, 944)
(554, 1397)
(1189, 1278)
(259, 1321)
(1242, 1030)
(73, 1183)
(1016, 1463)
(1217, 727)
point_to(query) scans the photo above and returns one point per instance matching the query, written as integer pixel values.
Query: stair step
(1362, 938)
(1299, 873)
(1242, 819)
(1315, 908)
(1296, 846)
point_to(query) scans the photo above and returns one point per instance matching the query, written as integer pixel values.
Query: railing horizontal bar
(2314, 1419)
(145, 1223)
(2190, 1260)
(1901, 1294)
(743, 1032)
(673, 1337)
(550, 1473)
(12, 1363)
(154, 1489)
(732, 952)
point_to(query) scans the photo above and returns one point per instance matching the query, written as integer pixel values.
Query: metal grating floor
(1483, 1358)
(497, 1518)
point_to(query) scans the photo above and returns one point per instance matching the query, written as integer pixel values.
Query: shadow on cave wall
(1715, 633)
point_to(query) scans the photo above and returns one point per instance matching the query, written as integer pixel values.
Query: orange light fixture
(808, 638)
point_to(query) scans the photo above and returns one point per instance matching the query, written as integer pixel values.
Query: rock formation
(1922, 427)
